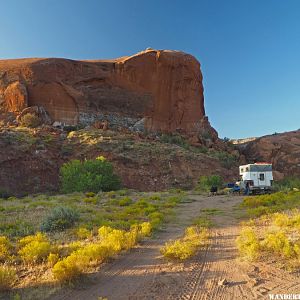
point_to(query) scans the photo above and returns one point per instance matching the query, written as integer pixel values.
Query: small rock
(57, 124)
(255, 281)
(222, 282)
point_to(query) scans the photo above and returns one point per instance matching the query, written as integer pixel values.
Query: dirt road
(144, 274)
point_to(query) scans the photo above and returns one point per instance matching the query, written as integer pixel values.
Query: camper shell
(258, 177)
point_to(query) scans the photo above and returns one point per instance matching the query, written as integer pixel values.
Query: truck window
(261, 176)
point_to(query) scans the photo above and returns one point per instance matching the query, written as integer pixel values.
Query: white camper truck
(258, 177)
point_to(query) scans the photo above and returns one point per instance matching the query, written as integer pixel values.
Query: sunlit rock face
(162, 87)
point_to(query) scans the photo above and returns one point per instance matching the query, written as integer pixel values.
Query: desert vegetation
(92, 175)
(70, 234)
(273, 230)
(187, 246)
(206, 182)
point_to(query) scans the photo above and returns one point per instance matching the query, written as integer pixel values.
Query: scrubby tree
(89, 176)
(206, 182)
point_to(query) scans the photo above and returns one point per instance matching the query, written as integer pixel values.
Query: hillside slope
(281, 149)
(30, 158)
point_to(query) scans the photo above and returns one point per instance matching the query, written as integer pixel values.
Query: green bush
(206, 182)
(287, 183)
(30, 120)
(88, 176)
(175, 139)
(60, 218)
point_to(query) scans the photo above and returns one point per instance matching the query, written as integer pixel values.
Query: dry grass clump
(187, 246)
(7, 277)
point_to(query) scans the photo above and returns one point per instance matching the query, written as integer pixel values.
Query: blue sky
(249, 49)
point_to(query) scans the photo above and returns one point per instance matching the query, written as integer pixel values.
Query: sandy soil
(144, 274)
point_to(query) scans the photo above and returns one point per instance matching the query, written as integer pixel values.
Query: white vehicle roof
(257, 167)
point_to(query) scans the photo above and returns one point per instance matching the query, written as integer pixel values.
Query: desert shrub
(34, 248)
(90, 194)
(90, 175)
(203, 222)
(39, 237)
(248, 244)
(278, 243)
(52, 259)
(30, 120)
(155, 197)
(226, 159)
(146, 229)
(91, 200)
(266, 204)
(125, 201)
(187, 246)
(172, 201)
(4, 194)
(13, 228)
(281, 220)
(287, 184)
(104, 231)
(175, 139)
(83, 233)
(7, 277)
(110, 241)
(4, 248)
(206, 182)
(60, 218)
(67, 269)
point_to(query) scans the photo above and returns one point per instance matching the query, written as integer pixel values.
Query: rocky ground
(30, 158)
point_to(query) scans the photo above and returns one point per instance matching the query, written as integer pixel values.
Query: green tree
(206, 182)
(88, 176)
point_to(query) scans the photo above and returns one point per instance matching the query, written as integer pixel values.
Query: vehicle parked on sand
(256, 178)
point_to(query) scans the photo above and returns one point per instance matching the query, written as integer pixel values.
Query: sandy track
(144, 274)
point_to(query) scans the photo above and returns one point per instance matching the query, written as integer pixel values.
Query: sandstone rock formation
(13, 97)
(162, 87)
(282, 150)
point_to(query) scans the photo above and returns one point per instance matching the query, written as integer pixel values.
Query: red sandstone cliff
(164, 88)
(282, 150)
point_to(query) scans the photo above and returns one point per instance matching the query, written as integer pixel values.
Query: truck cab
(258, 177)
